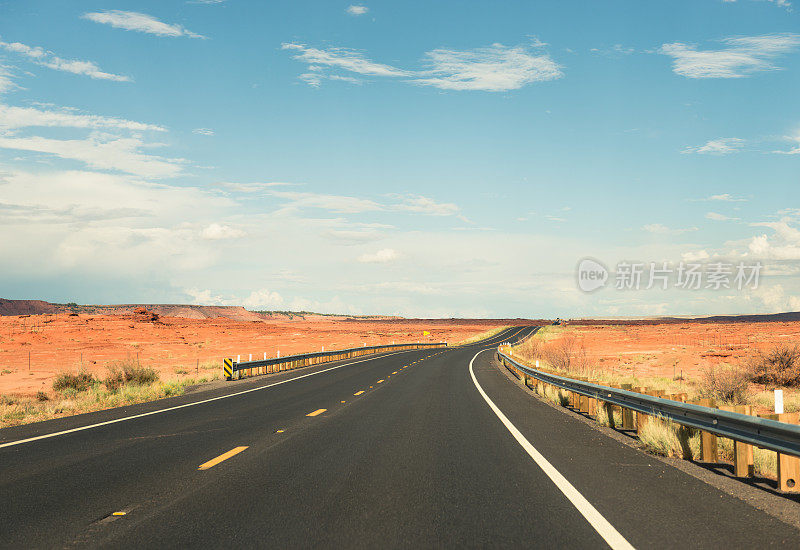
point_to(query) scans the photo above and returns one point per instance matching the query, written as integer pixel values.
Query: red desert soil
(56, 342)
(657, 349)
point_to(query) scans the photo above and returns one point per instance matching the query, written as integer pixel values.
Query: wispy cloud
(216, 232)
(340, 204)
(383, 256)
(357, 10)
(722, 197)
(497, 68)
(719, 217)
(6, 80)
(721, 146)
(425, 205)
(794, 150)
(742, 57)
(140, 22)
(660, 229)
(48, 59)
(12, 118)
(203, 131)
(342, 58)
(101, 152)
(255, 187)
(494, 68)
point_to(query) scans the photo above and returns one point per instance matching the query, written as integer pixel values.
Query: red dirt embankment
(175, 345)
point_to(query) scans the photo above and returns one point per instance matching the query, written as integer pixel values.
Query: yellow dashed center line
(214, 461)
(118, 514)
(342, 401)
(315, 413)
(279, 431)
(379, 381)
(359, 392)
(395, 372)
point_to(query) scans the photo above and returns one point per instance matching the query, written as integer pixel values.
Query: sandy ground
(33, 349)
(669, 349)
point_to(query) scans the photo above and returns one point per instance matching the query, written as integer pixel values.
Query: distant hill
(38, 307)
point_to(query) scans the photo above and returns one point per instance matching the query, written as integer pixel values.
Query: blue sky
(414, 158)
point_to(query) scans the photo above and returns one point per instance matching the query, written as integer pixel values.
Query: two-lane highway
(404, 449)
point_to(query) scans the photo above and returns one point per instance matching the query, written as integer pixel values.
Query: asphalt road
(421, 458)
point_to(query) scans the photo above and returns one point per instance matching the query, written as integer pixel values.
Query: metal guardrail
(761, 432)
(278, 364)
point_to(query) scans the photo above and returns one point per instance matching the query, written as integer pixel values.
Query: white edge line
(600, 524)
(159, 411)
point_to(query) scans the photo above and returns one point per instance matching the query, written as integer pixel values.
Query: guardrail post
(708, 441)
(627, 414)
(641, 418)
(742, 452)
(591, 404)
(788, 465)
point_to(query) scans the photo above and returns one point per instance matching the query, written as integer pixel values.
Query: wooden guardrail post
(627, 414)
(591, 403)
(788, 465)
(742, 452)
(708, 441)
(641, 418)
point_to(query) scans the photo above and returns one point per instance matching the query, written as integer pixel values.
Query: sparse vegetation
(778, 367)
(81, 381)
(726, 384)
(68, 401)
(127, 372)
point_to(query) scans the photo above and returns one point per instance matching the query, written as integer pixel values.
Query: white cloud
(48, 59)
(796, 149)
(255, 187)
(6, 82)
(334, 203)
(357, 10)
(342, 58)
(102, 152)
(262, 299)
(140, 22)
(660, 229)
(742, 57)
(23, 117)
(383, 256)
(494, 68)
(425, 205)
(203, 131)
(722, 146)
(719, 217)
(695, 256)
(215, 232)
(725, 197)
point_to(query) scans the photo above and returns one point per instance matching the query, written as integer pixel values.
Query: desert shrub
(77, 382)
(127, 372)
(115, 379)
(143, 376)
(779, 367)
(42, 396)
(725, 383)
